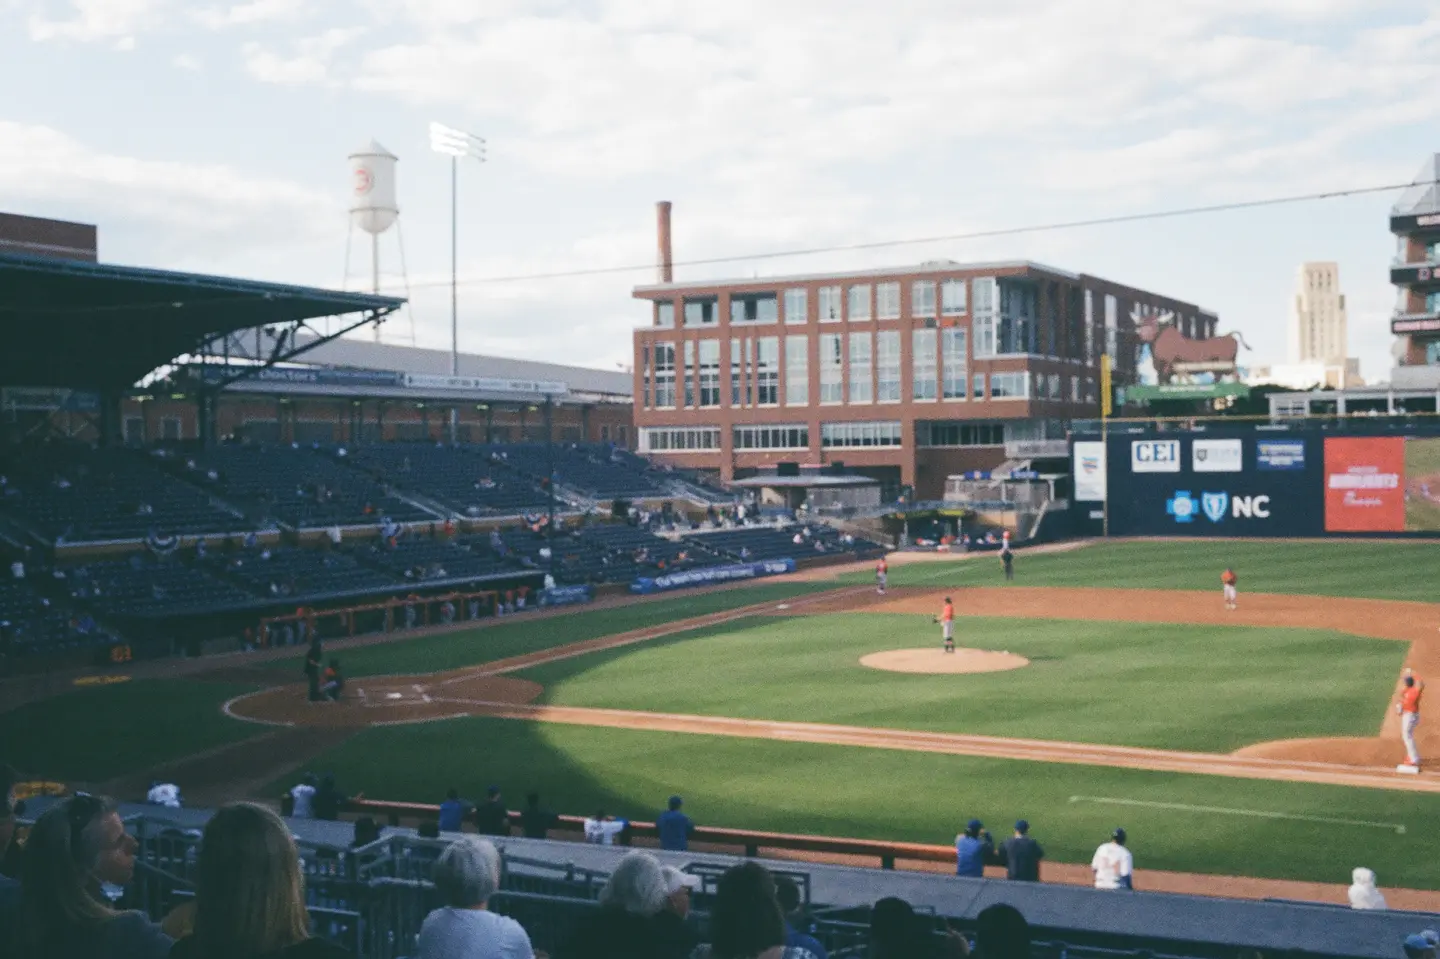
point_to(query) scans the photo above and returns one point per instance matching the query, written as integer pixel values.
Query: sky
(214, 136)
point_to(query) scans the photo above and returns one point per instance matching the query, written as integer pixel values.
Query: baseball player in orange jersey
(1228, 581)
(1409, 709)
(882, 570)
(947, 624)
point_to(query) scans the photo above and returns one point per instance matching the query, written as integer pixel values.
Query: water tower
(373, 207)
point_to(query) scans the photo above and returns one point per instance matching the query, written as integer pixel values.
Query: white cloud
(250, 13)
(187, 61)
(310, 63)
(92, 20)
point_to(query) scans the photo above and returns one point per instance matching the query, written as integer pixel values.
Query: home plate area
(387, 695)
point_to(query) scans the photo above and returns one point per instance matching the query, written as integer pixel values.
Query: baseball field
(1255, 743)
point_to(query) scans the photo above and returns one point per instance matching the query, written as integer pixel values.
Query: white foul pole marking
(1399, 828)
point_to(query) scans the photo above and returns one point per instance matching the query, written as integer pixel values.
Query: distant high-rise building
(1318, 327)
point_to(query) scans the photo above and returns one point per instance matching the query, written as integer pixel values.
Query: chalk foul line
(1398, 828)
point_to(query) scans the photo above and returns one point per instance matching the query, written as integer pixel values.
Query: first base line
(1398, 828)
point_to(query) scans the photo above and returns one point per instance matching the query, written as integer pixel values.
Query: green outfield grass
(849, 791)
(1202, 688)
(1396, 570)
(438, 652)
(96, 733)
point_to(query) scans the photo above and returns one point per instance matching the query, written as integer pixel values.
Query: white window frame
(954, 370)
(832, 369)
(929, 373)
(797, 370)
(887, 300)
(891, 357)
(862, 293)
(862, 369)
(829, 304)
(797, 306)
(922, 298)
(948, 303)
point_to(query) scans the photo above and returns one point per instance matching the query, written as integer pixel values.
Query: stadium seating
(420, 560)
(299, 486)
(467, 480)
(149, 587)
(31, 624)
(769, 542)
(597, 470)
(75, 494)
(300, 573)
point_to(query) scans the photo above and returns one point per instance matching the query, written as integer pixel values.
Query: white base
(1408, 769)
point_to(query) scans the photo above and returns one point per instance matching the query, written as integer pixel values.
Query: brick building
(908, 375)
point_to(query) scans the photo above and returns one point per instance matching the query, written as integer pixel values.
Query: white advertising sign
(1155, 456)
(1217, 456)
(1089, 472)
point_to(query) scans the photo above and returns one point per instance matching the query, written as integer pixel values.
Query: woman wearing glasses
(250, 900)
(74, 848)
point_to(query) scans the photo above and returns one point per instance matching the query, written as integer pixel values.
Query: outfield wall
(1298, 480)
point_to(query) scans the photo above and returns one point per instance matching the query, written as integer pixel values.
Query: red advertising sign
(1364, 492)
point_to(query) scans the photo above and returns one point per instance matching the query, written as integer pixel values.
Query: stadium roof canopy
(77, 324)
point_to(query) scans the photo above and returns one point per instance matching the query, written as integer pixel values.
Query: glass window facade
(797, 370)
(859, 435)
(953, 296)
(665, 314)
(861, 370)
(701, 311)
(754, 308)
(795, 305)
(674, 439)
(1009, 386)
(709, 372)
(735, 346)
(665, 376)
(922, 298)
(923, 372)
(795, 437)
(887, 366)
(954, 363)
(858, 301)
(827, 304)
(832, 368)
(767, 372)
(958, 433)
(687, 372)
(887, 301)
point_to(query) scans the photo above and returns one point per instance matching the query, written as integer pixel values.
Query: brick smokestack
(662, 236)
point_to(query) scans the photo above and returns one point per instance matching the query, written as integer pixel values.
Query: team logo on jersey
(1182, 506)
(1214, 505)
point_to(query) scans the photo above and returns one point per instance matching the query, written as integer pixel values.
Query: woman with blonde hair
(77, 847)
(250, 899)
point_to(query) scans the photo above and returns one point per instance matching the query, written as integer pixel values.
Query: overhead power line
(943, 238)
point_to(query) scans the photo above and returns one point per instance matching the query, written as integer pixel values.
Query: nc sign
(1155, 456)
(1216, 507)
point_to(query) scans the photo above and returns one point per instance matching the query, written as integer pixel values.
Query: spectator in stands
(1113, 864)
(75, 849)
(466, 875)
(250, 897)
(429, 829)
(974, 850)
(367, 830)
(896, 932)
(747, 922)
(303, 798)
(675, 827)
(453, 811)
(787, 893)
(163, 794)
(624, 927)
(536, 821)
(1002, 933)
(1363, 892)
(491, 816)
(1021, 855)
(675, 931)
(329, 800)
(334, 683)
(601, 829)
(1422, 945)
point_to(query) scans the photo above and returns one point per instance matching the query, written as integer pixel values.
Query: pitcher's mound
(935, 660)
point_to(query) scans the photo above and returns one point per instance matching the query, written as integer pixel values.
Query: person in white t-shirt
(163, 794)
(466, 875)
(304, 797)
(1113, 863)
(601, 829)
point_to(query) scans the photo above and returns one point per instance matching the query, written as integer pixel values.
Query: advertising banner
(1280, 454)
(1089, 471)
(1363, 490)
(1154, 456)
(712, 574)
(1217, 456)
(565, 595)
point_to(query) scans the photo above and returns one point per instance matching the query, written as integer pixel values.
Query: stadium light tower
(457, 144)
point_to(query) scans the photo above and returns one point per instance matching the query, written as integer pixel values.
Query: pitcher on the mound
(947, 625)
(1228, 582)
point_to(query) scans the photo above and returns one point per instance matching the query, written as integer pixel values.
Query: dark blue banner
(315, 377)
(712, 574)
(566, 595)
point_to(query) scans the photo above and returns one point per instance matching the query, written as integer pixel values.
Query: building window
(859, 435)
(887, 366)
(795, 437)
(735, 372)
(922, 360)
(1432, 303)
(646, 374)
(1054, 386)
(687, 373)
(672, 439)
(1089, 328)
(832, 369)
(797, 370)
(887, 301)
(859, 302)
(861, 374)
(922, 298)
(953, 433)
(665, 314)
(1432, 353)
(1017, 318)
(796, 305)
(827, 301)
(979, 384)
(754, 308)
(984, 322)
(709, 372)
(767, 372)
(701, 311)
(665, 376)
(1074, 389)
(952, 297)
(1112, 325)
(1009, 386)
(952, 356)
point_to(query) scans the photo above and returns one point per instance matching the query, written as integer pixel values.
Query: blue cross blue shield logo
(1214, 504)
(1182, 506)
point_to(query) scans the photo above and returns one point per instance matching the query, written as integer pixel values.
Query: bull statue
(1169, 347)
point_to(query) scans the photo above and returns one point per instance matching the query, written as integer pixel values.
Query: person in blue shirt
(788, 895)
(452, 811)
(675, 827)
(974, 849)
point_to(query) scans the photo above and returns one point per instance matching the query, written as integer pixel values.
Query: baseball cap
(974, 824)
(1118, 835)
(1022, 825)
(675, 880)
(1418, 945)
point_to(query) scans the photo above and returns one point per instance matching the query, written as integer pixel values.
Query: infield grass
(97, 733)
(1394, 570)
(1199, 688)
(881, 794)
